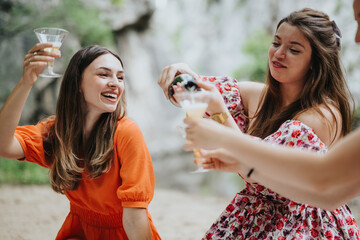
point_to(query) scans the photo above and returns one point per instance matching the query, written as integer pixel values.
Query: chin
(111, 111)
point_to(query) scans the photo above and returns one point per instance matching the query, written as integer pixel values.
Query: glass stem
(51, 68)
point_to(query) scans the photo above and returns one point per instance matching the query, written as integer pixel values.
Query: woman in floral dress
(332, 179)
(304, 104)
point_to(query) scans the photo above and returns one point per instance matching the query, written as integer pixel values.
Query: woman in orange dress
(96, 156)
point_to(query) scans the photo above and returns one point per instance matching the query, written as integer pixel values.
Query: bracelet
(220, 117)
(250, 172)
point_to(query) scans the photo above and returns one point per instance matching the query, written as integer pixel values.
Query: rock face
(151, 34)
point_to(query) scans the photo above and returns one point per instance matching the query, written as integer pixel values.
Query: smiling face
(356, 7)
(102, 85)
(289, 56)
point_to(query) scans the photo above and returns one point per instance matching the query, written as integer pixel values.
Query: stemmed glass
(194, 103)
(56, 37)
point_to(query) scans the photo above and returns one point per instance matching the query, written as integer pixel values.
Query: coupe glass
(56, 37)
(194, 103)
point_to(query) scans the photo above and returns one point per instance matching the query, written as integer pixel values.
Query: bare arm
(318, 173)
(11, 111)
(329, 200)
(334, 196)
(136, 223)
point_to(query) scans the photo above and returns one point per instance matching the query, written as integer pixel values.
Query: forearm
(136, 223)
(10, 116)
(329, 200)
(318, 173)
(299, 168)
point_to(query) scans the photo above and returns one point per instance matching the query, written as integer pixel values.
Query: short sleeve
(296, 134)
(30, 139)
(228, 88)
(136, 171)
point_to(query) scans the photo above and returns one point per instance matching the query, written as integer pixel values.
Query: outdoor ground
(36, 212)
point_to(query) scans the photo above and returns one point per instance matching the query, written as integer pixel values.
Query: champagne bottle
(186, 81)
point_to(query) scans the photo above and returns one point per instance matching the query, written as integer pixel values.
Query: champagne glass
(194, 103)
(56, 37)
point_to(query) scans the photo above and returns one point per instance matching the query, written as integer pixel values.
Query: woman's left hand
(216, 102)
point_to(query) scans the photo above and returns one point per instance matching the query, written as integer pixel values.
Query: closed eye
(275, 44)
(294, 50)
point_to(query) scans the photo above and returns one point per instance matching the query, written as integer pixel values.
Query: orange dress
(96, 206)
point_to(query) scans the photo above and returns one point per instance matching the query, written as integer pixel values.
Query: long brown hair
(325, 83)
(68, 154)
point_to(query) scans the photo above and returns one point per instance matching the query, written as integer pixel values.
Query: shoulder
(127, 129)
(324, 120)
(253, 87)
(127, 125)
(251, 93)
(128, 137)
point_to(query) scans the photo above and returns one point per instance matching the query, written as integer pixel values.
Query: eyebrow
(108, 69)
(292, 42)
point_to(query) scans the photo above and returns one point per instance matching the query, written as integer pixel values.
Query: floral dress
(259, 213)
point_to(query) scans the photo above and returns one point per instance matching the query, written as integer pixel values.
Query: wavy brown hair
(66, 151)
(325, 83)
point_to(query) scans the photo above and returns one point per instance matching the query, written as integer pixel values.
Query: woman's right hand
(203, 133)
(168, 74)
(220, 160)
(36, 60)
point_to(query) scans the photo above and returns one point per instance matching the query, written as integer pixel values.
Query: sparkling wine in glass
(194, 103)
(56, 37)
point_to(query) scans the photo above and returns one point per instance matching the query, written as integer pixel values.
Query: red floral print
(314, 233)
(280, 225)
(290, 144)
(329, 235)
(277, 134)
(310, 136)
(296, 133)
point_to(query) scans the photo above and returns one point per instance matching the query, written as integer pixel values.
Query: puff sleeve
(136, 169)
(229, 90)
(294, 133)
(30, 139)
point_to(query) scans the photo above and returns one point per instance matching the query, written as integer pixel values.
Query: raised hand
(36, 60)
(168, 74)
(216, 101)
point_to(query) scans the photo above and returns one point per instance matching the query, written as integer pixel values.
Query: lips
(276, 64)
(112, 96)
(109, 95)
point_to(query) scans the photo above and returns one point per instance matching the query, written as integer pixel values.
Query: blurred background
(215, 37)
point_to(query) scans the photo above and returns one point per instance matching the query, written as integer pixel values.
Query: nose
(113, 82)
(280, 52)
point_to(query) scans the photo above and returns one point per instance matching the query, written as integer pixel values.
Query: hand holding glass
(194, 103)
(56, 37)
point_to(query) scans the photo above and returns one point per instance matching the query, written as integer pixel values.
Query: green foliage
(339, 5)
(18, 172)
(176, 37)
(356, 122)
(117, 3)
(83, 21)
(16, 18)
(256, 51)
